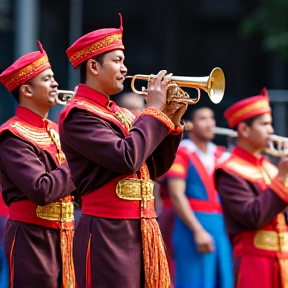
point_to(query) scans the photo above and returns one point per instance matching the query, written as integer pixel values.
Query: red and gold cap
(247, 108)
(95, 43)
(25, 68)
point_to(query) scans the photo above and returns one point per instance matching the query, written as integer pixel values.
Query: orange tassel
(283, 263)
(155, 261)
(66, 238)
(156, 267)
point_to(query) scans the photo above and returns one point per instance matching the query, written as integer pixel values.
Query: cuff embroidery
(177, 130)
(160, 116)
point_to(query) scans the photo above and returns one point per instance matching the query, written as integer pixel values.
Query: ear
(26, 90)
(92, 66)
(243, 129)
(188, 125)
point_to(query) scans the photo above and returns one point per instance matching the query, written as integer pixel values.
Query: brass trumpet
(278, 146)
(213, 85)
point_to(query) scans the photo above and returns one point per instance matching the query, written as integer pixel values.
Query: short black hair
(249, 122)
(83, 72)
(193, 112)
(16, 93)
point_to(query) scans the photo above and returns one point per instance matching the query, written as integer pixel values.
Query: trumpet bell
(213, 85)
(216, 85)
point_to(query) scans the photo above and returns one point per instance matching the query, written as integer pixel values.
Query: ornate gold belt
(271, 240)
(135, 189)
(56, 211)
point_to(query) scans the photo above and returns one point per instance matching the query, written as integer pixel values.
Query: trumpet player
(113, 158)
(36, 180)
(254, 195)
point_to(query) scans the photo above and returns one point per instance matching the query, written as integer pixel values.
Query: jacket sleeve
(242, 204)
(21, 164)
(165, 154)
(103, 143)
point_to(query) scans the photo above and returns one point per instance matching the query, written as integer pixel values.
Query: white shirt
(208, 159)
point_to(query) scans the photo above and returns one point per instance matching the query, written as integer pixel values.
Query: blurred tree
(270, 18)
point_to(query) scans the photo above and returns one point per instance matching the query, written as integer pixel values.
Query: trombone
(213, 85)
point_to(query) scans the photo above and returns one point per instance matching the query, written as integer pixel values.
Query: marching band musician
(36, 181)
(201, 248)
(113, 157)
(254, 195)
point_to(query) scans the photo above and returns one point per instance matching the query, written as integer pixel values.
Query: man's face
(258, 134)
(111, 74)
(203, 124)
(44, 88)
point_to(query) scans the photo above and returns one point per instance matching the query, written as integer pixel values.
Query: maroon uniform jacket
(102, 148)
(31, 176)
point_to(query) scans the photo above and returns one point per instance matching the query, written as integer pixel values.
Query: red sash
(211, 205)
(4, 211)
(25, 211)
(244, 244)
(104, 202)
(205, 206)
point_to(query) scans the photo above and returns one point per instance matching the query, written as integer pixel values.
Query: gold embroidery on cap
(26, 71)
(105, 42)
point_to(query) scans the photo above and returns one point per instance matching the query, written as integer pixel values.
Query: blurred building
(188, 38)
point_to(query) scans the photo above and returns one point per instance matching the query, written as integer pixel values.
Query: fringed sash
(66, 239)
(156, 267)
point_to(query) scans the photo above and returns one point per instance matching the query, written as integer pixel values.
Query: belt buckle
(135, 189)
(56, 211)
(266, 240)
(129, 189)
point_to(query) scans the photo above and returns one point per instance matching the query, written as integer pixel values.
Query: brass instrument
(213, 85)
(64, 96)
(278, 146)
(225, 131)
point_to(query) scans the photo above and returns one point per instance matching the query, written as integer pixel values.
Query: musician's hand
(283, 169)
(177, 116)
(175, 111)
(157, 91)
(204, 241)
(171, 108)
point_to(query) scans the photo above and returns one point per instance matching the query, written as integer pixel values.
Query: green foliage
(270, 18)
